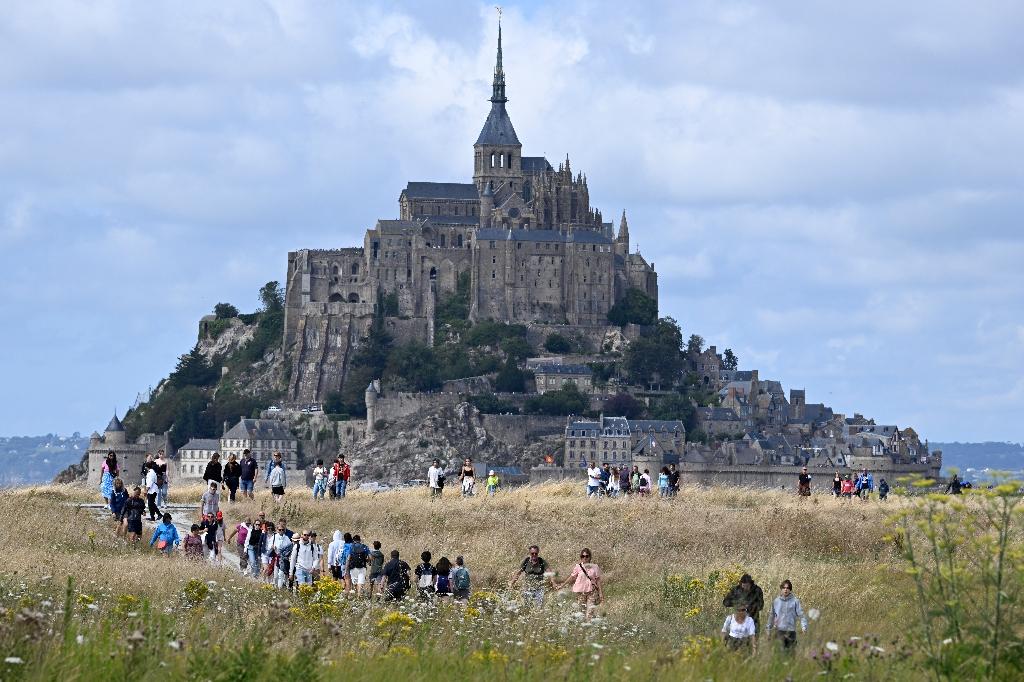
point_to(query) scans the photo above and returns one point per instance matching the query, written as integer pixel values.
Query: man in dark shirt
(533, 567)
(749, 594)
(673, 480)
(804, 483)
(249, 468)
(396, 577)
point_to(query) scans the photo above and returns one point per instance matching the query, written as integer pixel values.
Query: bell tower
(497, 154)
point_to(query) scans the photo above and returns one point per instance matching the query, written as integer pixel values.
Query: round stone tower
(114, 433)
(371, 406)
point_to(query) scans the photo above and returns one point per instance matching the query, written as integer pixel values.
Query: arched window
(501, 159)
(492, 160)
(355, 268)
(334, 270)
(433, 274)
(335, 298)
(458, 241)
(353, 297)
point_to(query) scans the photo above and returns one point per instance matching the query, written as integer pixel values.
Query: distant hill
(978, 456)
(37, 459)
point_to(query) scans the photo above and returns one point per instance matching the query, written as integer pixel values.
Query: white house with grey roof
(553, 376)
(194, 455)
(263, 437)
(620, 441)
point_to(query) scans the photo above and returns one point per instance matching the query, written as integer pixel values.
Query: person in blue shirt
(167, 535)
(118, 498)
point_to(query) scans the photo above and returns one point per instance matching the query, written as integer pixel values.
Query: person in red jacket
(847, 487)
(342, 472)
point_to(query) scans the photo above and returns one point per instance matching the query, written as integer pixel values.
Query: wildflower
(80, 639)
(814, 614)
(13, 660)
(596, 645)
(832, 646)
(175, 644)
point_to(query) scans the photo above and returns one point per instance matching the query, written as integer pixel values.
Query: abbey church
(523, 232)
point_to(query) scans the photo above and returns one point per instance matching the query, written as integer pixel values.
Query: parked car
(274, 408)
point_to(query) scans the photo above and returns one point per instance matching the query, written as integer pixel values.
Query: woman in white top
(739, 630)
(614, 487)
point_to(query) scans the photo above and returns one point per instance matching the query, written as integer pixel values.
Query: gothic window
(501, 159)
(433, 274)
(492, 160)
(458, 241)
(353, 298)
(355, 268)
(334, 270)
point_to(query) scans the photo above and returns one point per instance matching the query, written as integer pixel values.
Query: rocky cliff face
(405, 449)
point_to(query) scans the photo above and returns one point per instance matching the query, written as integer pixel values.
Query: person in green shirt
(492, 483)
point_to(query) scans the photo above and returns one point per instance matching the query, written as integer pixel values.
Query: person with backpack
(376, 568)
(443, 577)
(586, 579)
(460, 580)
(395, 578)
(645, 483)
(248, 469)
(304, 559)
(346, 550)
(425, 576)
(358, 558)
(232, 476)
(193, 544)
(165, 537)
(131, 516)
(435, 478)
(162, 478)
(118, 497)
(534, 567)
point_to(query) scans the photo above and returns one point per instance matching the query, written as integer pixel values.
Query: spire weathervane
(498, 88)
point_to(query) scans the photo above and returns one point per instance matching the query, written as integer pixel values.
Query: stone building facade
(553, 376)
(130, 456)
(620, 441)
(194, 455)
(523, 233)
(263, 437)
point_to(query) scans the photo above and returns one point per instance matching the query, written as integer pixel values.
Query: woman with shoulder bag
(588, 584)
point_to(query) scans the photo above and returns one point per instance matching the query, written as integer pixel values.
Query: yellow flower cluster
(696, 648)
(488, 656)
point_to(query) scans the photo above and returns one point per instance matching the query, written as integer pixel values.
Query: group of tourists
(331, 481)
(742, 627)
(849, 487)
(609, 481)
(437, 477)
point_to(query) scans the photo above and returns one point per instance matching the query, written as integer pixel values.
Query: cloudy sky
(834, 190)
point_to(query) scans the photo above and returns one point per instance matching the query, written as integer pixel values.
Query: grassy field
(667, 564)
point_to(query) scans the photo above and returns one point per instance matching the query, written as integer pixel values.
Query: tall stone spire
(623, 228)
(498, 88)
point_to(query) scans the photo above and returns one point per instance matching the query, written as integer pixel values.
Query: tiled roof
(552, 368)
(440, 190)
(114, 425)
(259, 429)
(498, 129)
(201, 444)
(535, 164)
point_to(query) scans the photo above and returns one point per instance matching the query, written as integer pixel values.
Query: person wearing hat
(492, 482)
(803, 484)
(304, 559)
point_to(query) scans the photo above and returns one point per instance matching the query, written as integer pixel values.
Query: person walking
(586, 579)
(435, 478)
(118, 498)
(248, 469)
(210, 500)
(232, 476)
(803, 483)
(613, 483)
(786, 609)
(837, 485)
(214, 470)
(740, 630)
(443, 577)
(867, 485)
(534, 568)
(460, 580)
(304, 559)
(334, 551)
(152, 489)
(109, 470)
(634, 479)
(425, 576)
(277, 478)
(467, 476)
(165, 536)
(241, 531)
(673, 480)
(624, 482)
(492, 483)
(645, 483)
(131, 516)
(268, 561)
(747, 594)
(593, 480)
(162, 478)
(883, 490)
(319, 480)
(332, 478)
(395, 578)
(376, 568)
(193, 544)
(282, 544)
(254, 547)
(344, 474)
(663, 482)
(606, 476)
(355, 567)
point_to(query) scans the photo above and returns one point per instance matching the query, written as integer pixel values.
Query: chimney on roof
(225, 432)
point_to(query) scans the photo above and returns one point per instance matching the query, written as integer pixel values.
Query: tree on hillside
(623, 405)
(556, 343)
(272, 297)
(193, 369)
(412, 367)
(729, 360)
(695, 346)
(676, 406)
(656, 358)
(516, 348)
(225, 311)
(567, 400)
(510, 379)
(636, 307)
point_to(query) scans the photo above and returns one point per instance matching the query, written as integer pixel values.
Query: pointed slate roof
(114, 426)
(498, 128)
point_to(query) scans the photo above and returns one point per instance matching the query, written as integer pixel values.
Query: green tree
(623, 405)
(556, 343)
(225, 311)
(455, 308)
(334, 403)
(516, 348)
(510, 379)
(193, 369)
(272, 297)
(413, 367)
(389, 304)
(655, 358)
(695, 346)
(729, 360)
(636, 307)
(565, 401)
(674, 407)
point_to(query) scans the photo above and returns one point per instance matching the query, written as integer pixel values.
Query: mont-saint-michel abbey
(523, 232)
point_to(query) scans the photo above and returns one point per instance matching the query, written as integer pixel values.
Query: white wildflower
(13, 660)
(80, 639)
(814, 614)
(948, 640)
(832, 646)
(596, 645)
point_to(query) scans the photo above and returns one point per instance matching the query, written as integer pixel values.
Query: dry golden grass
(833, 551)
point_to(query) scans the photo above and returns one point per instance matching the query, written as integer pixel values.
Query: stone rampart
(515, 428)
